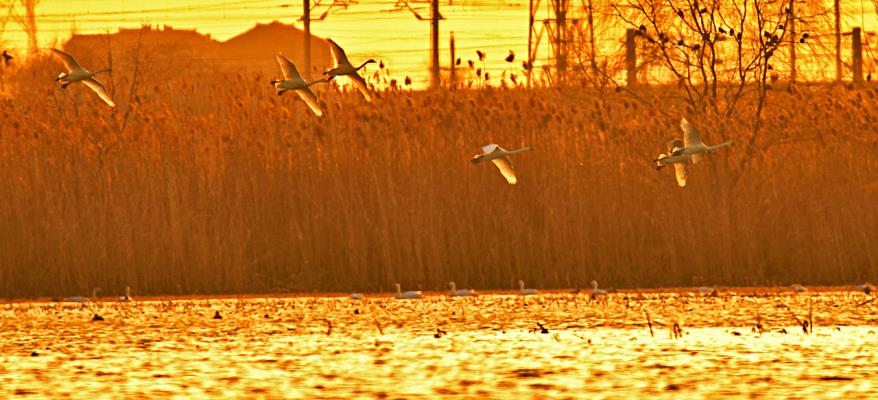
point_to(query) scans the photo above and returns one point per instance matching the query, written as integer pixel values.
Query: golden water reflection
(487, 347)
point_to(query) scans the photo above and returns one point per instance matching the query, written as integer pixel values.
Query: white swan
(525, 292)
(407, 295)
(293, 81)
(595, 292)
(798, 288)
(79, 299)
(75, 73)
(127, 296)
(680, 162)
(499, 156)
(455, 292)
(356, 296)
(344, 67)
(692, 144)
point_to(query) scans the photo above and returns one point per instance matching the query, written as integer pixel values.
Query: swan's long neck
(721, 145)
(318, 81)
(100, 71)
(453, 287)
(594, 285)
(361, 66)
(521, 285)
(523, 149)
(128, 292)
(398, 289)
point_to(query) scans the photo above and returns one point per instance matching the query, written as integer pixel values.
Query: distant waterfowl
(866, 288)
(356, 296)
(293, 81)
(217, 315)
(500, 157)
(525, 292)
(680, 162)
(344, 67)
(94, 296)
(127, 296)
(76, 73)
(595, 292)
(407, 295)
(798, 288)
(6, 58)
(692, 144)
(455, 292)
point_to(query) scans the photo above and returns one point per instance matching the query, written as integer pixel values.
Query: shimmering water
(735, 344)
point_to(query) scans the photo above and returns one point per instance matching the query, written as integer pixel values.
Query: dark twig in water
(328, 327)
(649, 323)
(677, 331)
(378, 325)
(810, 315)
(542, 328)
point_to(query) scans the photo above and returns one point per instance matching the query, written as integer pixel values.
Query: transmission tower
(561, 25)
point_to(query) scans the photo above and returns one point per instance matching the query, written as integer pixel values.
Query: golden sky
(367, 29)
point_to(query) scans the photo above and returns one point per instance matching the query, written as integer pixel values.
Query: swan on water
(500, 157)
(127, 296)
(525, 292)
(344, 67)
(798, 288)
(680, 162)
(76, 73)
(455, 292)
(94, 296)
(411, 294)
(293, 81)
(356, 296)
(692, 144)
(595, 292)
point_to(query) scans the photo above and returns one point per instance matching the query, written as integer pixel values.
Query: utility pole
(453, 77)
(435, 17)
(434, 44)
(792, 26)
(631, 57)
(837, 40)
(306, 49)
(857, 55)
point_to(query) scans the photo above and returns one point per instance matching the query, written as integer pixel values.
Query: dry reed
(218, 185)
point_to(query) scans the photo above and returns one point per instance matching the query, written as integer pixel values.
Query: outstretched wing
(680, 170)
(68, 60)
(287, 67)
(311, 100)
(337, 53)
(361, 84)
(690, 133)
(99, 88)
(489, 148)
(505, 167)
(673, 144)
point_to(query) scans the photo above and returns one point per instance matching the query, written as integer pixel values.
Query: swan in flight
(293, 81)
(500, 157)
(595, 292)
(455, 292)
(526, 292)
(680, 162)
(407, 295)
(75, 73)
(344, 67)
(127, 296)
(692, 144)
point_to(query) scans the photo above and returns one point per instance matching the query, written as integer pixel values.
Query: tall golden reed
(217, 185)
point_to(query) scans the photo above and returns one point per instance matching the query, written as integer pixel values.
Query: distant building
(258, 46)
(253, 50)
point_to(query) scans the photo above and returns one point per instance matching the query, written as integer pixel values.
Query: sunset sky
(368, 29)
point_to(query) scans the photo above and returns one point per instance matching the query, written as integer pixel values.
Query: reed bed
(206, 182)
